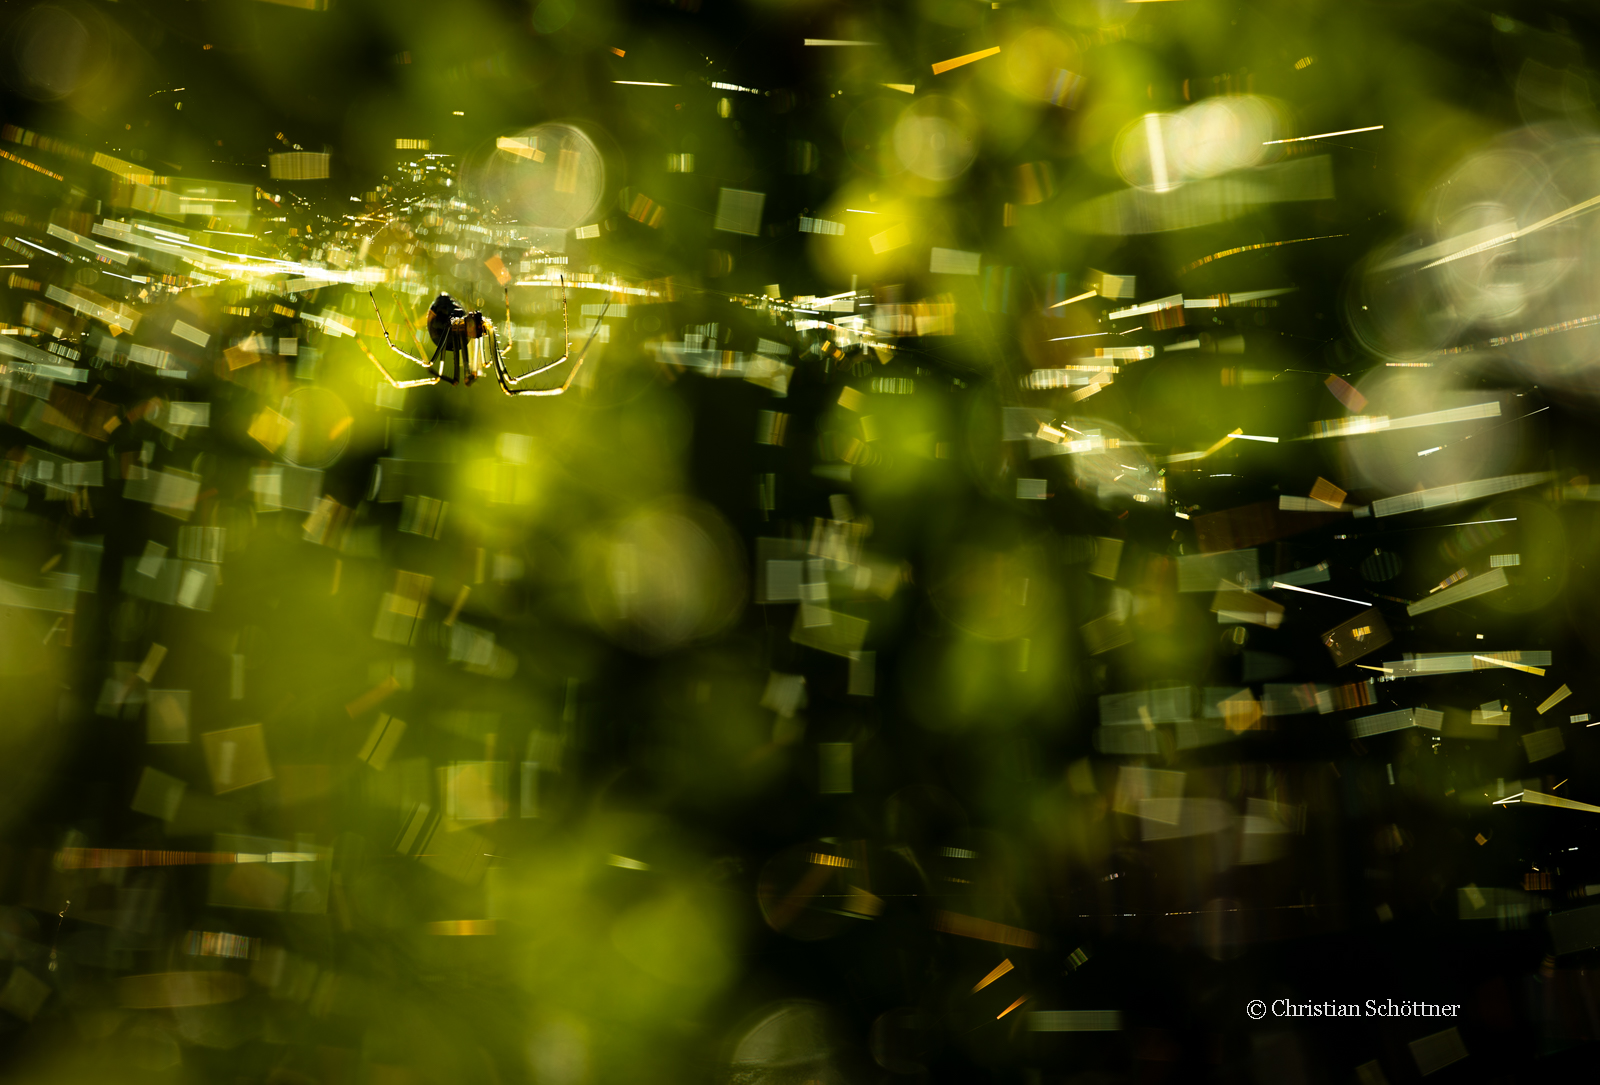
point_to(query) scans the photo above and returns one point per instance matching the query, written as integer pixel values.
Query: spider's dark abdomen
(443, 310)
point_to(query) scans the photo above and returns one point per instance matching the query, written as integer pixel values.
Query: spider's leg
(416, 340)
(592, 334)
(535, 372)
(438, 362)
(398, 384)
(566, 325)
(497, 356)
(578, 361)
(387, 339)
(559, 361)
(507, 325)
(506, 382)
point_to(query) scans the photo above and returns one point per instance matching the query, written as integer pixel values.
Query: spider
(453, 329)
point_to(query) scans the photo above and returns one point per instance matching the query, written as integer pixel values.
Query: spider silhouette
(454, 330)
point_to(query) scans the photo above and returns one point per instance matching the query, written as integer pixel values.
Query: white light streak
(1069, 301)
(1325, 595)
(1323, 135)
(1504, 239)
(1158, 151)
(636, 291)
